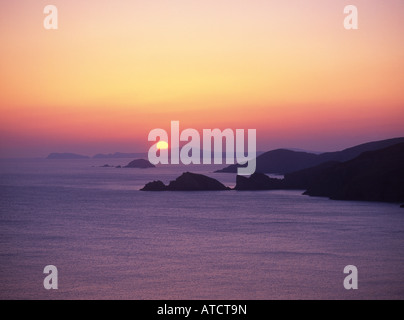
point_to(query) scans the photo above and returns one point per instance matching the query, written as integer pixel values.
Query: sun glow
(162, 145)
(288, 69)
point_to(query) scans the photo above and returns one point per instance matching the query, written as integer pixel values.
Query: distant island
(119, 155)
(137, 163)
(140, 163)
(71, 156)
(116, 155)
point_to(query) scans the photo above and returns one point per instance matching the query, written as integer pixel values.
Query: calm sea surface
(111, 241)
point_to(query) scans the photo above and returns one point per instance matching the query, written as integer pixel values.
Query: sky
(115, 70)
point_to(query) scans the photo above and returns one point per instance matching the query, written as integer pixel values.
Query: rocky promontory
(372, 176)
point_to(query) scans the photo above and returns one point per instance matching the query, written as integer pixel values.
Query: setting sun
(162, 145)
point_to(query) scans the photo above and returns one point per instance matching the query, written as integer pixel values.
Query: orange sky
(114, 70)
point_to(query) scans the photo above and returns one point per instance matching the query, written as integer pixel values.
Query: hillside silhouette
(371, 176)
(283, 161)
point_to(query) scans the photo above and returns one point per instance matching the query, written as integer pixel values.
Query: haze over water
(111, 241)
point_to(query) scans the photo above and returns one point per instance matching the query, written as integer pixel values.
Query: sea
(108, 240)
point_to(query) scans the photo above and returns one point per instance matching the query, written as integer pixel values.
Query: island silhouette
(376, 175)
